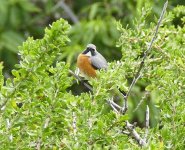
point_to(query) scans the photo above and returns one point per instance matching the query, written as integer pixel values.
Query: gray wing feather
(98, 61)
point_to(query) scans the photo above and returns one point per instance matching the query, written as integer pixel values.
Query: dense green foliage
(51, 117)
(40, 103)
(163, 74)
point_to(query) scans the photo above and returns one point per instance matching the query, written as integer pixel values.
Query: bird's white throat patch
(88, 54)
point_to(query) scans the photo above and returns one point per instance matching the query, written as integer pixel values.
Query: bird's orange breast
(84, 64)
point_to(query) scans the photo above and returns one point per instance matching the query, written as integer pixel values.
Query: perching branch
(79, 79)
(137, 75)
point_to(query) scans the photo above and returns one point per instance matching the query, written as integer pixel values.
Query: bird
(90, 60)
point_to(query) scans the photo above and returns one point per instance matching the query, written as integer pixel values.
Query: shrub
(51, 117)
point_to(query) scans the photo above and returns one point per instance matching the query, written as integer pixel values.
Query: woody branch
(118, 109)
(141, 66)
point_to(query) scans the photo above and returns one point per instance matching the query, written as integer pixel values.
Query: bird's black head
(90, 50)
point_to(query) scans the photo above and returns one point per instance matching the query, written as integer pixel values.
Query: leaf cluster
(38, 111)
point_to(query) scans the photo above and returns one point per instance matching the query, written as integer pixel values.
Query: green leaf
(11, 40)
(28, 6)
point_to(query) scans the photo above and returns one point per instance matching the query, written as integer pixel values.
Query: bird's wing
(98, 61)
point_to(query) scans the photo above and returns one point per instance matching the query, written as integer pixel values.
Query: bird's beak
(88, 54)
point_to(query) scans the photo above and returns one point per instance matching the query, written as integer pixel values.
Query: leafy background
(23, 18)
(121, 30)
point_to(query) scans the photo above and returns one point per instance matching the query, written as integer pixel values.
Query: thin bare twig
(11, 138)
(136, 78)
(46, 122)
(137, 75)
(113, 108)
(146, 94)
(90, 123)
(8, 123)
(66, 8)
(125, 132)
(38, 145)
(135, 135)
(116, 106)
(131, 127)
(147, 122)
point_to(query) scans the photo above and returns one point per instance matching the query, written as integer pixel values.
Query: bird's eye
(92, 49)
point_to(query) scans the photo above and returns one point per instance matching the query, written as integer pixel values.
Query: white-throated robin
(91, 60)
